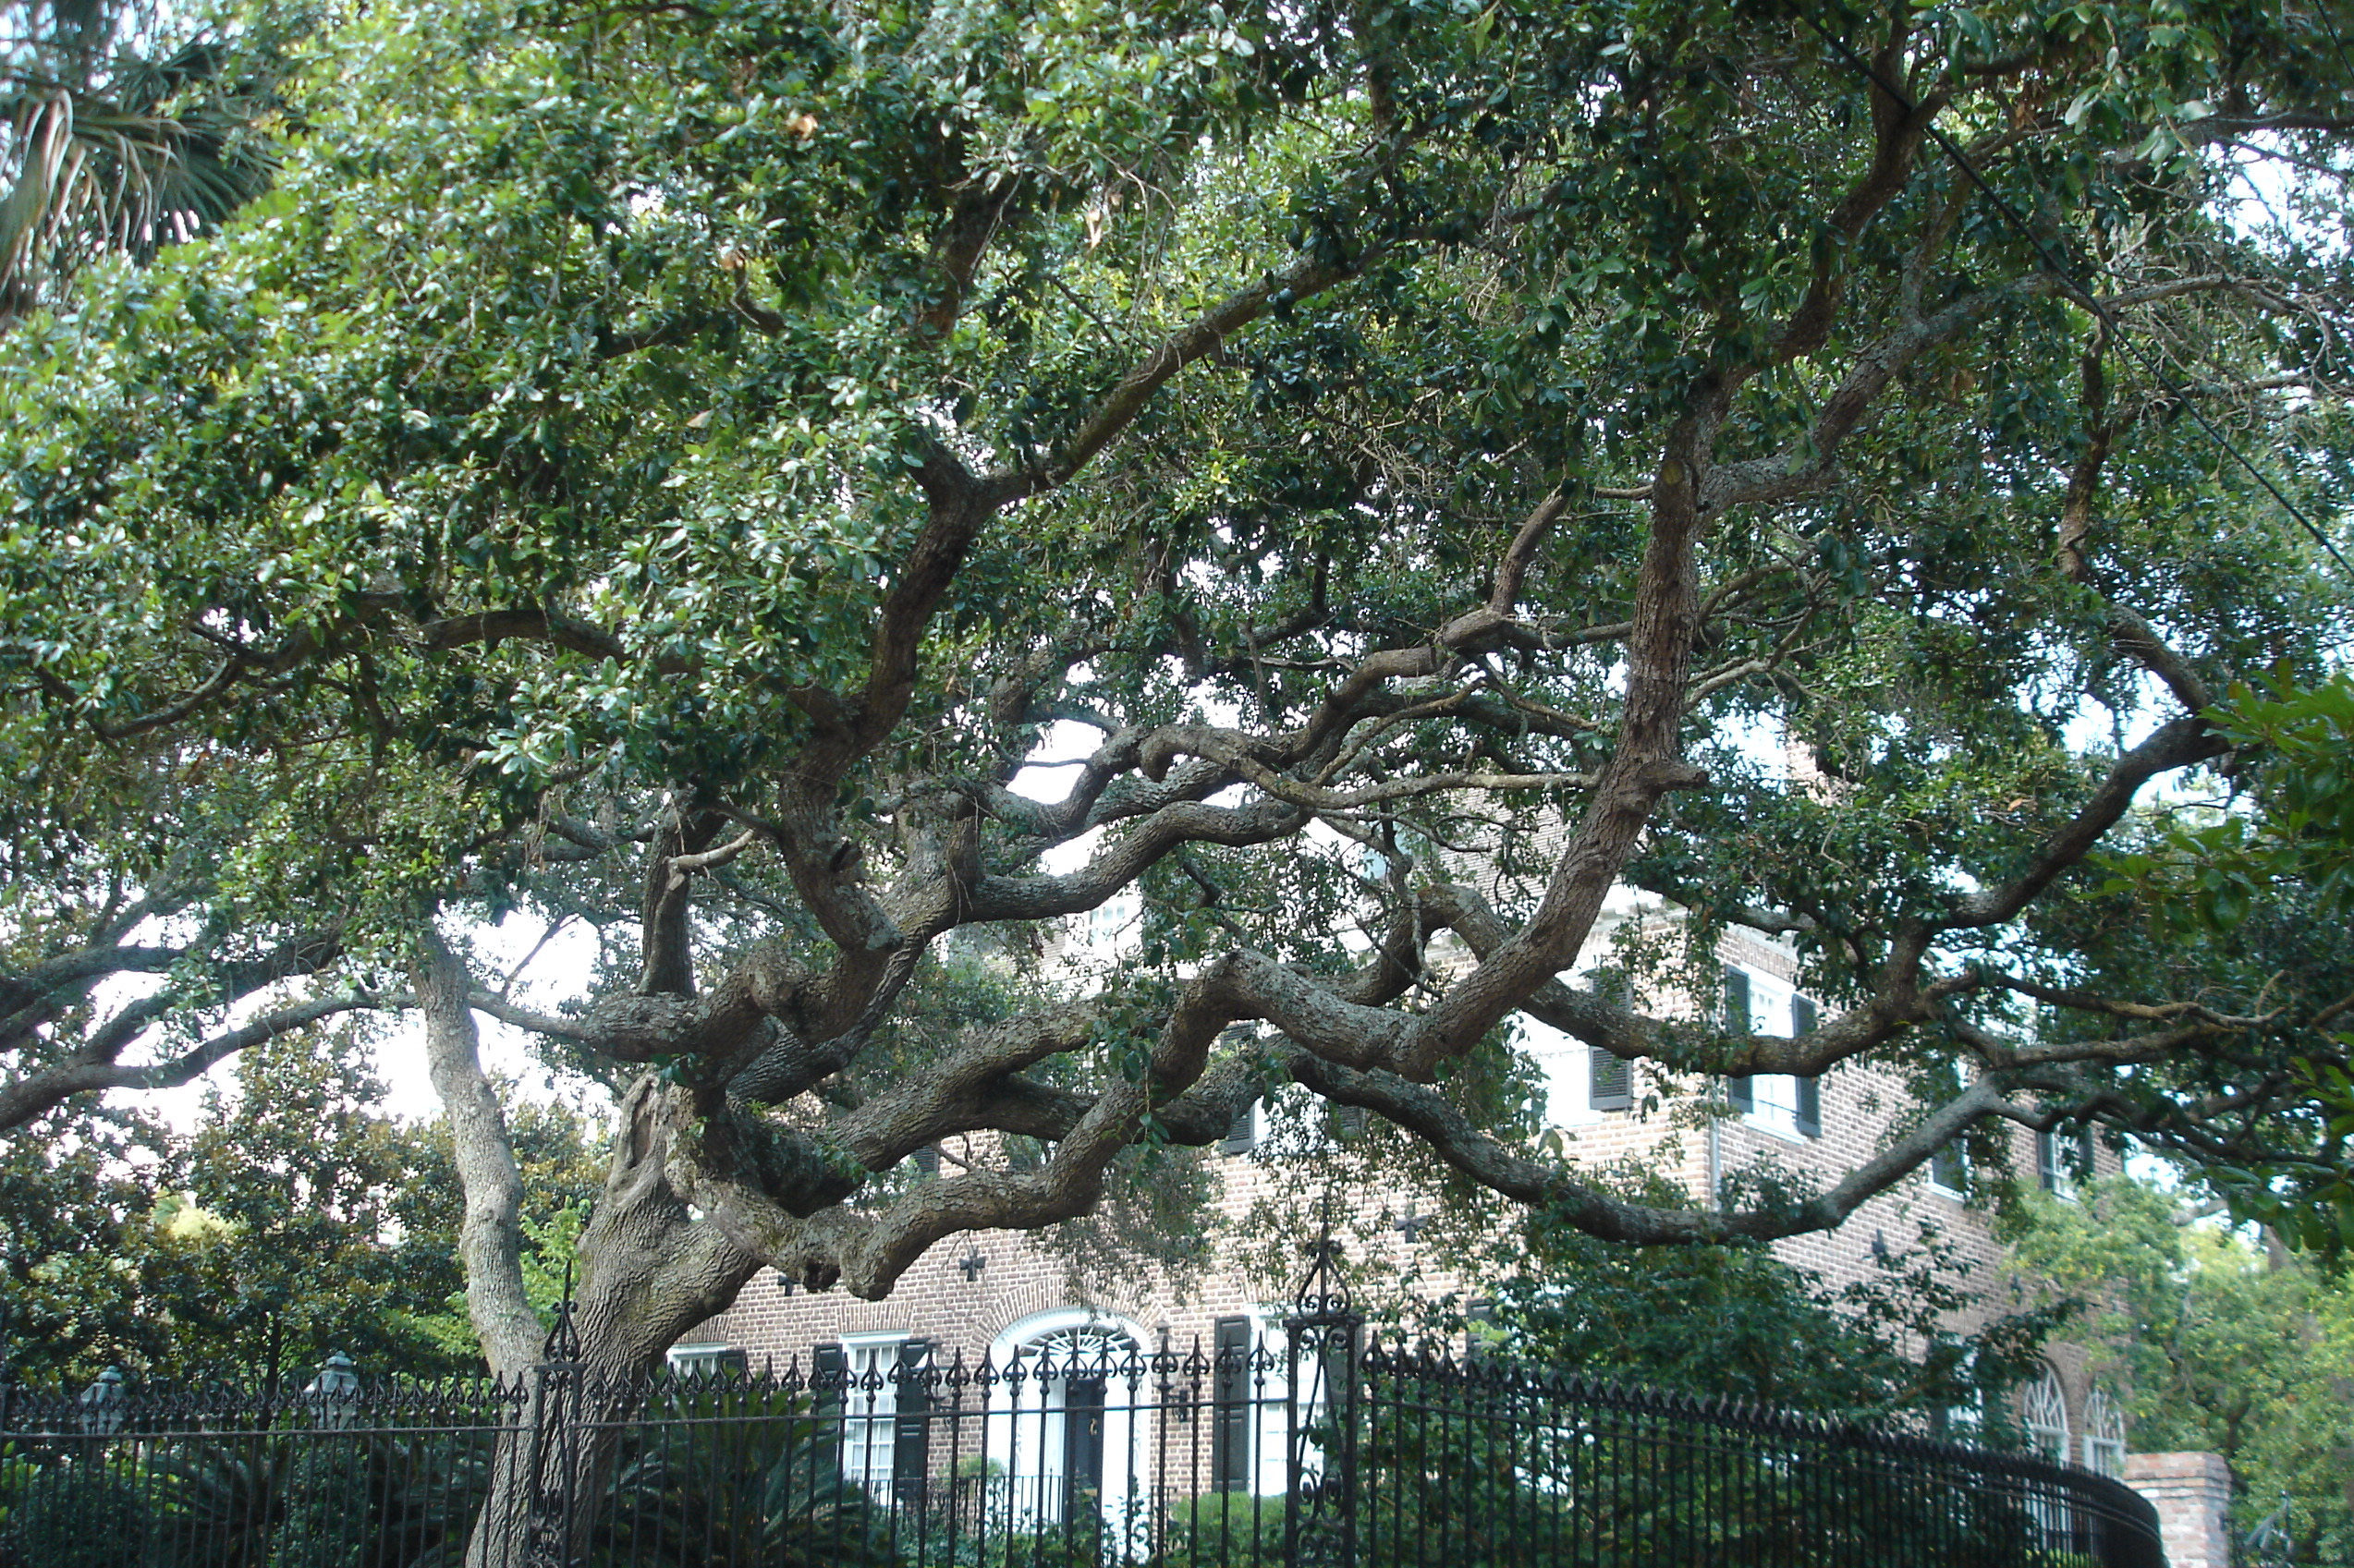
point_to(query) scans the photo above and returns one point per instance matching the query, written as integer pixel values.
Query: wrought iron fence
(1313, 1446)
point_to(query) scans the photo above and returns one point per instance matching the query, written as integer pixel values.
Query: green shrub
(72, 1512)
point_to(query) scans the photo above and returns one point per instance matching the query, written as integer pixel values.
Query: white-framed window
(1568, 1067)
(871, 1408)
(2104, 1435)
(2043, 1406)
(1950, 1171)
(2063, 1160)
(1786, 1106)
(686, 1360)
(1111, 925)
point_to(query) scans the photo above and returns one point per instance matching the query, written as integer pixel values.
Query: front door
(1082, 1445)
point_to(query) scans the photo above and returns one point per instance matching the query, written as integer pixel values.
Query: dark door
(1082, 1444)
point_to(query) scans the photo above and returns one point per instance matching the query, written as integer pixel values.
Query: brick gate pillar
(2192, 1495)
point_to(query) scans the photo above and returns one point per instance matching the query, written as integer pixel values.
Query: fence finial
(1324, 1291)
(563, 1343)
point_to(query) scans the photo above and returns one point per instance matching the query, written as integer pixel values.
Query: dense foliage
(1733, 1321)
(293, 1221)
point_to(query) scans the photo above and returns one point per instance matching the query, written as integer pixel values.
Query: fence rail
(1313, 1447)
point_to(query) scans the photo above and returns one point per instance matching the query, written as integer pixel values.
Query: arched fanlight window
(2104, 1435)
(2045, 1408)
(1082, 1349)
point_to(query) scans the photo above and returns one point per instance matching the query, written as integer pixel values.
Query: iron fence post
(555, 1393)
(1325, 1326)
(1295, 1479)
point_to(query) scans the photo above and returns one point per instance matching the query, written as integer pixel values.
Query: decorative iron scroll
(1322, 1296)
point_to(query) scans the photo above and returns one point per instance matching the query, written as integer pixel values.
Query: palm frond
(109, 153)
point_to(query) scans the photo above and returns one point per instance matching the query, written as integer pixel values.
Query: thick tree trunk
(648, 1271)
(651, 1268)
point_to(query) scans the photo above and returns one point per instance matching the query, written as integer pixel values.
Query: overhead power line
(2056, 266)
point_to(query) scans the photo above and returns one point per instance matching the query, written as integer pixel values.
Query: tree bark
(491, 1242)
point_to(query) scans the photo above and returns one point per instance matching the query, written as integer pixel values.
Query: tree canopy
(672, 468)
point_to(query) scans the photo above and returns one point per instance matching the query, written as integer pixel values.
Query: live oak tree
(671, 467)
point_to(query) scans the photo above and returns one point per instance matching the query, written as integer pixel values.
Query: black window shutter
(829, 1374)
(1741, 1092)
(1242, 1133)
(927, 1159)
(2047, 1162)
(1803, 1018)
(1610, 1081)
(911, 1430)
(1610, 1078)
(1230, 1413)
